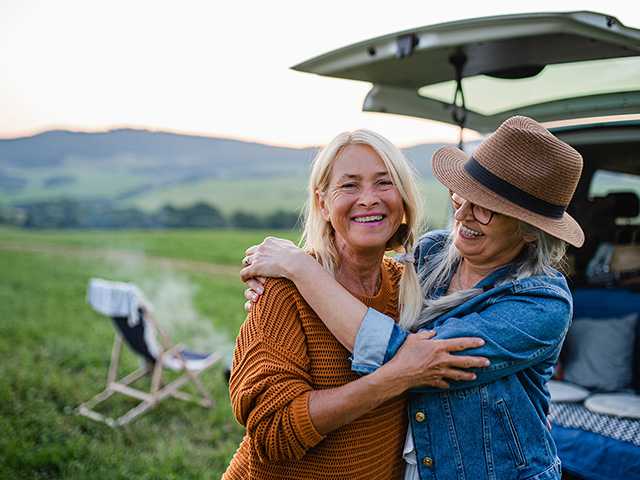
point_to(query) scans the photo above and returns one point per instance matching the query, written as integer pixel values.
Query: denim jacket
(493, 427)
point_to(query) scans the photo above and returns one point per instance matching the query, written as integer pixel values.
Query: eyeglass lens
(482, 215)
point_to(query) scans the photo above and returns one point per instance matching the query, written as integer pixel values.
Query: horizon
(470, 136)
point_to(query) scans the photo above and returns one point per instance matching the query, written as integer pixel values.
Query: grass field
(259, 196)
(87, 181)
(220, 246)
(55, 352)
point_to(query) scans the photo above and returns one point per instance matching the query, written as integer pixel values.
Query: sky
(215, 68)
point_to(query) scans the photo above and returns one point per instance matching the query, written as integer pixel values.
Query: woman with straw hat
(491, 275)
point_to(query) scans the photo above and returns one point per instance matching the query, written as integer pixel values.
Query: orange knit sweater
(283, 352)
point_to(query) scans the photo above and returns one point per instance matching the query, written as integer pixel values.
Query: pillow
(599, 353)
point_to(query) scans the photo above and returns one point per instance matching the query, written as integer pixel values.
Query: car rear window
(490, 95)
(605, 182)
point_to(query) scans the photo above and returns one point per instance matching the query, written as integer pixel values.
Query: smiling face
(488, 246)
(361, 201)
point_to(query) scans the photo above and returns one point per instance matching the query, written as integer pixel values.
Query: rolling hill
(148, 169)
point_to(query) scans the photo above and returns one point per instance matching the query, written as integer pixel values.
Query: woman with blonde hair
(307, 415)
(491, 275)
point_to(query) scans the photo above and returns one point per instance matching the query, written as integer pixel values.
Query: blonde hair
(318, 235)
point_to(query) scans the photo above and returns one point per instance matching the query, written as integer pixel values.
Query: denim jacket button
(420, 417)
(427, 462)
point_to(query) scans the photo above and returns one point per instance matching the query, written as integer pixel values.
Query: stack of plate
(566, 392)
(618, 404)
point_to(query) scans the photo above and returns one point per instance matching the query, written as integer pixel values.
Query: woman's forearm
(332, 408)
(421, 361)
(340, 311)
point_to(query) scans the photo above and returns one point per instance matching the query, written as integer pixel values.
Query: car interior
(607, 200)
(601, 354)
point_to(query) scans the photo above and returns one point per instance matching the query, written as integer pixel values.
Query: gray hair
(541, 257)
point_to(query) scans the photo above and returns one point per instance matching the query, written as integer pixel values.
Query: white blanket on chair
(116, 299)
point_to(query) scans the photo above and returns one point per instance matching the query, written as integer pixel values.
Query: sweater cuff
(305, 430)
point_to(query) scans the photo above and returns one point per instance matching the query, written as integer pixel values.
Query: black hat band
(511, 192)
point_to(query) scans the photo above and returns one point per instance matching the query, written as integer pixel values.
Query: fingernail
(473, 377)
(254, 297)
(260, 290)
(486, 363)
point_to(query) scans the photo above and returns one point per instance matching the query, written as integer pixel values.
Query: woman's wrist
(298, 265)
(387, 380)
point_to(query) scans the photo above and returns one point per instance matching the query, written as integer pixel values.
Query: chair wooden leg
(156, 376)
(134, 412)
(113, 386)
(206, 400)
(98, 417)
(157, 391)
(135, 376)
(99, 398)
(87, 407)
(115, 359)
(193, 376)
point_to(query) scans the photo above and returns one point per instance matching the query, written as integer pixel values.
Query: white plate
(566, 392)
(618, 404)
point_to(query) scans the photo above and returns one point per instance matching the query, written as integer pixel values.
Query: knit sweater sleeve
(270, 383)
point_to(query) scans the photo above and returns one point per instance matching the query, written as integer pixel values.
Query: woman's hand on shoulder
(274, 257)
(425, 361)
(255, 288)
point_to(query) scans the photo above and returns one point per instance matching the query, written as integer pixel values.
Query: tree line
(98, 214)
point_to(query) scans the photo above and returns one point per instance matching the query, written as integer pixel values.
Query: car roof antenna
(459, 110)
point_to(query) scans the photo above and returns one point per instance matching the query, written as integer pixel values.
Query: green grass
(216, 246)
(89, 182)
(259, 196)
(56, 350)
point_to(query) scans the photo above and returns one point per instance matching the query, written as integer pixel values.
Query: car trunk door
(549, 66)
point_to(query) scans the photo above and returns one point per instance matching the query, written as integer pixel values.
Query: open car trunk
(549, 66)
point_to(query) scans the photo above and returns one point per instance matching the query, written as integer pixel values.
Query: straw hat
(521, 170)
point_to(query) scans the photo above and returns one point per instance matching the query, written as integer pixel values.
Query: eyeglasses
(481, 215)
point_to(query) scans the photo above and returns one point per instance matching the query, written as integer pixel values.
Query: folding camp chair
(133, 320)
